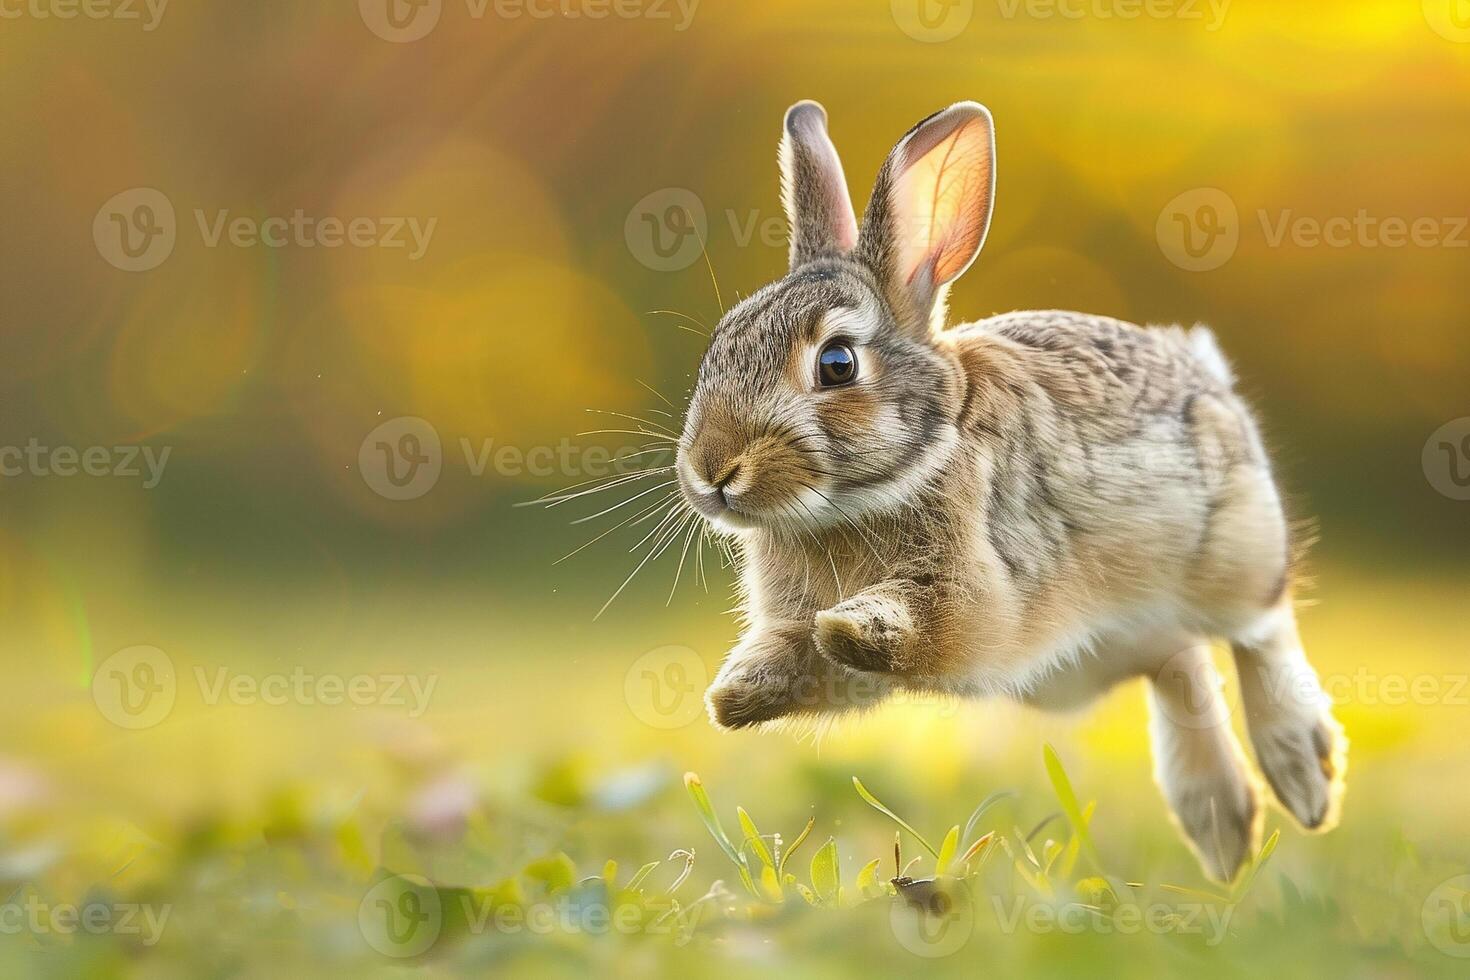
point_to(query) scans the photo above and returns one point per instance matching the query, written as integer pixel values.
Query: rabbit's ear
(930, 211)
(813, 187)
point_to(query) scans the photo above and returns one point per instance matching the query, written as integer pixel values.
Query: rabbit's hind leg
(1198, 762)
(1299, 746)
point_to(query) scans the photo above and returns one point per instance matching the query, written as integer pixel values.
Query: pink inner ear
(845, 232)
(942, 198)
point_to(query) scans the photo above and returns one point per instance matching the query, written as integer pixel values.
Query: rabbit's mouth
(729, 518)
(738, 485)
(722, 502)
(717, 505)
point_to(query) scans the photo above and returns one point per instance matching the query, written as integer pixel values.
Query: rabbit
(1035, 506)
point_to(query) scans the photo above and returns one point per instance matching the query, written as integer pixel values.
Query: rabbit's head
(824, 396)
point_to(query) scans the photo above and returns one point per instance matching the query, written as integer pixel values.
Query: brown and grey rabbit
(1036, 506)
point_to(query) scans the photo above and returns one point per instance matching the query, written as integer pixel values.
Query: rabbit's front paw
(865, 633)
(743, 699)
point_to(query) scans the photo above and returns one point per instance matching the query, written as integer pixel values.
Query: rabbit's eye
(837, 365)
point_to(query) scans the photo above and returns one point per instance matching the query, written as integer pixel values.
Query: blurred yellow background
(240, 238)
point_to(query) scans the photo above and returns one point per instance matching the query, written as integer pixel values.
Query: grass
(513, 833)
(312, 893)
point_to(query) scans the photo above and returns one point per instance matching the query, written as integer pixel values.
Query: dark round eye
(836, 365)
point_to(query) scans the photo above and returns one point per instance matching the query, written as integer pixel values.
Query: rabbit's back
(1083, 384)
(1119, 456)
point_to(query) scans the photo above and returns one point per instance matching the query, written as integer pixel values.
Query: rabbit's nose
(716, 458)
(725, 477)
(717, 469)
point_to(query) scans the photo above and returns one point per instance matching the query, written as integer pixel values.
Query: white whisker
(561, 497)
(629, 432)
(634, 520)
(693, 525)
(662, 430)
(705, 333)
(638, 496)
(657, 394)
(654, 551)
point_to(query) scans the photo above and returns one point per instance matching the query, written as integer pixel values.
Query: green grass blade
(771, 885)
(1195, 893)
(1049, 854)
(826, 876)
(979, 854)
(947, 850)
(710, 818)
(981, 810)
(873, 802)
(753, 838)
(983, 844)
(800, 839)
(1267, 850)
(1068, 798)
(640, 875)
(748, 881)
(1074, 846)
(867, 880)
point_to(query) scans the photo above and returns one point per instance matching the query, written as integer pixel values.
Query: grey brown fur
(1035, 506)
